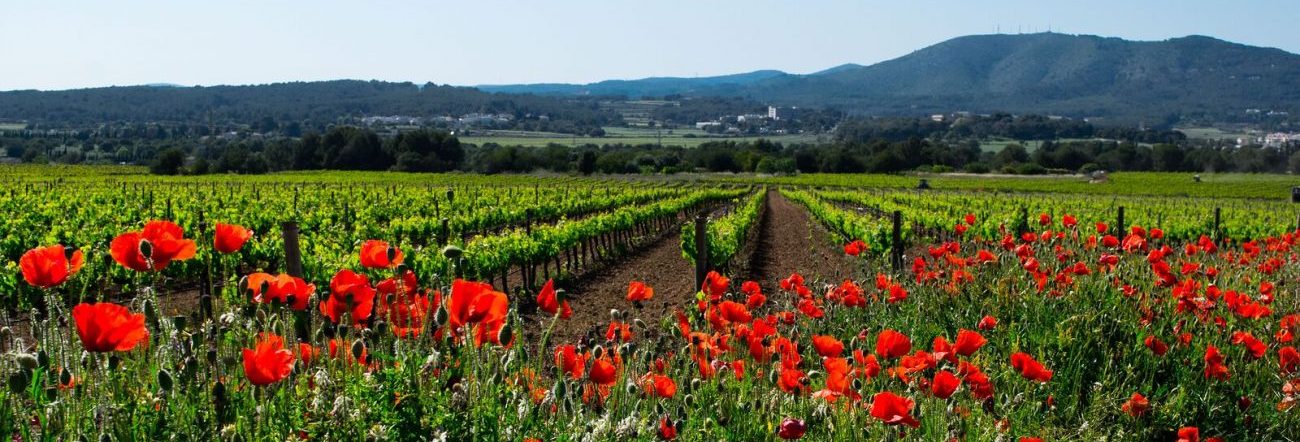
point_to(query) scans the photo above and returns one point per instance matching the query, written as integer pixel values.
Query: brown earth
(791, 242)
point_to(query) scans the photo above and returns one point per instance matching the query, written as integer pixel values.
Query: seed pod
(150, 314)
(179, 322)
(381, 328)
(164, 379)
(104, 437)
(392, 253)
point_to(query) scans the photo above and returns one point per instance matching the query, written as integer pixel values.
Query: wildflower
(106, 327)
(50, 266)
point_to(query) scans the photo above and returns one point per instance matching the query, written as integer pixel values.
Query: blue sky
(53, 44)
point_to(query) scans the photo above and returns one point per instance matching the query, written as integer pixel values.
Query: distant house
(1280, 139)
(937, 118)
(779, 113)
(707, 124)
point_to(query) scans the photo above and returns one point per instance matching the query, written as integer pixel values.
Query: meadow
(521, 307)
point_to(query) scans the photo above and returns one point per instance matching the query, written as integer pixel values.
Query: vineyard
(385, 306)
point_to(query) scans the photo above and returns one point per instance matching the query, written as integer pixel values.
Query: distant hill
(322, 102)
(1050, 73)
(1125, 82)
(654, 86)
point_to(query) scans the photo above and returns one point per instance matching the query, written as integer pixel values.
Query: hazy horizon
(83, 44)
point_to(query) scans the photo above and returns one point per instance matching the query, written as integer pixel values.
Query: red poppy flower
(1214, 367)
(893, 409)
(229, 238)
(349, 292)
(789, 284)
(477, 304)
(283, 289)
(1288, 359)
(658, 385)
(715, 285)
(1256, 347)
(548, 301)
(855, 248)
(891, 344)
(828, 346)
(791, 428)
(1136, 406)
(603, 371)
(1069, 221)
(1155, 345)
(1030, 368)
(50, 266)
(570, 361)
(735, 312)
(637, 291)
(1189, 434)
(944, 384)
(377, 254)
(153, 248)
(987, 323)
(968, 342)
(970, 219)
(106, 327)
(667, 430)
(268, 362)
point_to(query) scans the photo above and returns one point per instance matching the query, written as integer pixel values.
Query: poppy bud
(357, 348)
(188, 367)
(561, 296)
(104, 437)
(561, 390)
(243, 285)
(42, 359)
(19, 381)
(614, 314)
(392, 253)
(179, 322)
(689, 400)
(630, 387)
(440, 317)
(381, 327)
(27, 361)
(164, 380)
(68, 252)
(452, 252)
(598, 351)
(211, 357)
(506, 333)
(857, 384)
(695, 384)
(402, 268)
(639, 323)
(150, 314)
(146, 249)
(65, 377)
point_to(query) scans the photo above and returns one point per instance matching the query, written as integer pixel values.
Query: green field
(12, 126)
(686, 137)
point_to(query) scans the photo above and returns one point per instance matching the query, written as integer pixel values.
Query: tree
(1167, 158)
(587, 162)
(168, 162)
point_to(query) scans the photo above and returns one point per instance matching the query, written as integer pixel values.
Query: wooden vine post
(701, 249)
(896, 246)
(1119, 222)
(293, 266)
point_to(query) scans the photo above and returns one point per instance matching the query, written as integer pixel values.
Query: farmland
(625, 135)
(379, 305)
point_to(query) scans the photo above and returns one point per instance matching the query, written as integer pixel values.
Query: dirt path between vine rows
(659, 264)
(790, 241)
